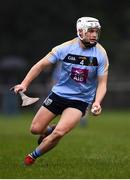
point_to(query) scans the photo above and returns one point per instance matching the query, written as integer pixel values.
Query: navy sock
(36, 153)
(49, 129)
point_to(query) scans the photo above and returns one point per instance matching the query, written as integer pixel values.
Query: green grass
(100, 150)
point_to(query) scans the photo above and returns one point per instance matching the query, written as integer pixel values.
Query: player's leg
(41, 120)
(39, 124)
(65, 125)
(69, 119)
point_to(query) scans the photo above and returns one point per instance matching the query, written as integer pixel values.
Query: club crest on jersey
(48, 101)
(83, 57)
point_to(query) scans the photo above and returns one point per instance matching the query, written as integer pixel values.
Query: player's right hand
(19, 87)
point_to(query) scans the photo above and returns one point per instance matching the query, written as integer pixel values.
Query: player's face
(92, 35)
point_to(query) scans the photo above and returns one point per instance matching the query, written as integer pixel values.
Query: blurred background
(30, 29)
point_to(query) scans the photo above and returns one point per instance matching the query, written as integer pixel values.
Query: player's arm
(102, 83)
(32, 74)
(101, 88)
(100, 93)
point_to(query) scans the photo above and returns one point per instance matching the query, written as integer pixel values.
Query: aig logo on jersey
(79, 75)
(48, 101)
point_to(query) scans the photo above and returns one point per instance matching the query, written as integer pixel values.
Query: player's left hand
(96, 109)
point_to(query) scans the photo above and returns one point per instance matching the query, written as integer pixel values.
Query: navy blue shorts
(57, 104)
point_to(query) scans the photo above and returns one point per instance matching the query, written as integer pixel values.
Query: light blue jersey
(79, 70)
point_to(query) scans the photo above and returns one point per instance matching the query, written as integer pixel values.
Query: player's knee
(35, 129)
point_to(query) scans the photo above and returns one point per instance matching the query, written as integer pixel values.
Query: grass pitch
(100, 150)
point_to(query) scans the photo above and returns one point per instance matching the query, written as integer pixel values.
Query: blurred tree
(31, 28)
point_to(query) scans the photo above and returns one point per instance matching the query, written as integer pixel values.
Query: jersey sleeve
(103, 65)
(54, 55)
